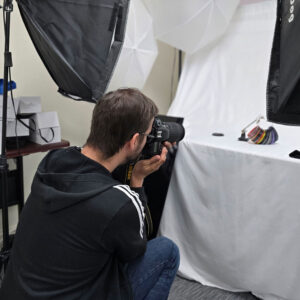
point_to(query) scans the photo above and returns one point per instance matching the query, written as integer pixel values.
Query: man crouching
(81, 233)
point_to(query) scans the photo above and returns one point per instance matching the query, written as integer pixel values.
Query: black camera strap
(148, 218)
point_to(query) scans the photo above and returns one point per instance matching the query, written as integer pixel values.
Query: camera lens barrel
(176, 132)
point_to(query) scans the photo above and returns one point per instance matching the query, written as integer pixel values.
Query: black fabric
(283, 102)
(76, 233)
(79, 41)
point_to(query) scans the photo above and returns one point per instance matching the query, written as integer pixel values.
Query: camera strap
(148, 218)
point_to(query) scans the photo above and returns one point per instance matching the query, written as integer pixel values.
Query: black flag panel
(79, 41)
(283, 89)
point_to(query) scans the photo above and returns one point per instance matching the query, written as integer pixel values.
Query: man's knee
(167, 250)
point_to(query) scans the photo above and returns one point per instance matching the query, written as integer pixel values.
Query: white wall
(33, 80)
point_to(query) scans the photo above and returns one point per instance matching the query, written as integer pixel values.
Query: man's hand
(170, 146)
(145, 167)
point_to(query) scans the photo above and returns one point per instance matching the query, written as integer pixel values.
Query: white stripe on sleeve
(134, 197)
(137, 196)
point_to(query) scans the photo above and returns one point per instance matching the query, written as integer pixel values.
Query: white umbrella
(139, 50)
(190, 24)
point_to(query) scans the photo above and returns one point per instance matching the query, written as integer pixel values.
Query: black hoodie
(77, 231)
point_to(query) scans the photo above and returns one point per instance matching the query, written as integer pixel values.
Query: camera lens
(176, 132)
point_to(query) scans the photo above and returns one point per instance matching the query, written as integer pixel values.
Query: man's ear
(134, 141)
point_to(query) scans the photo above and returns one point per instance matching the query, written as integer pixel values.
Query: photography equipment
(283, 87)
(162, 132)
(7, 9)
(156, 184)
(78, 41)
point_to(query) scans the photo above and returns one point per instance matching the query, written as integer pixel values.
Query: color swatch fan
(259, 135)
(263, 136)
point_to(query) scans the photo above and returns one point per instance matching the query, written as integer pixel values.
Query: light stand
(7, 7)
(179, 63)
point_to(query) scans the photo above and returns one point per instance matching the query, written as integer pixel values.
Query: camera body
(161, 132)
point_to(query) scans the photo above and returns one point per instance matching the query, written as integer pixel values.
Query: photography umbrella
(78, 41)
(139, 50)
(283, 88)
(191, 24)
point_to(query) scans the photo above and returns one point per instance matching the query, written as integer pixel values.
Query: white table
(234, 211)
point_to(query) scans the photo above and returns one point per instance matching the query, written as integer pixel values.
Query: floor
(183, 289)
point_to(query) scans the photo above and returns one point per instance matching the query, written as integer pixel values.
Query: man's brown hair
(117, 117)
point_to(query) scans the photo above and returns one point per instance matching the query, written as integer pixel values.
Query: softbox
(283, 88)
(79, 41)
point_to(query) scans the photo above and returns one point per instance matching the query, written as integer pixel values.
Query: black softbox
(283, 88)
(79, 41)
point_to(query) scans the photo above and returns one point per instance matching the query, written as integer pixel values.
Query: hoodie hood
(65, 177)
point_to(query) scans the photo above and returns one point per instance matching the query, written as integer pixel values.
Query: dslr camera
(161, 132)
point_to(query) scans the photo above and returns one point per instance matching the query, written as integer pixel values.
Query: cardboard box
(29, 105)
(47, 128)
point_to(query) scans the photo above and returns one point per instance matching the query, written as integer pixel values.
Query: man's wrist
(136, 182)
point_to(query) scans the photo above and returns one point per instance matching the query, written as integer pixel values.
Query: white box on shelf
(10, 108)
(47, 128)
(17, 129)
(29, 105)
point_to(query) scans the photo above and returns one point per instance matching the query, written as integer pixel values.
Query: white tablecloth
(234, 211)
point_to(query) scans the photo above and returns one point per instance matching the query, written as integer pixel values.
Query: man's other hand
(145, 167)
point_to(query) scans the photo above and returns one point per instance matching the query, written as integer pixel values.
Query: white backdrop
(224, 86)
(233, 208)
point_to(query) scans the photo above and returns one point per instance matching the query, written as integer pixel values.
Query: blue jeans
(152, 274)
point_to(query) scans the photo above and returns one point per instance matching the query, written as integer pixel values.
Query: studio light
(283, 89)
(79, 41)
